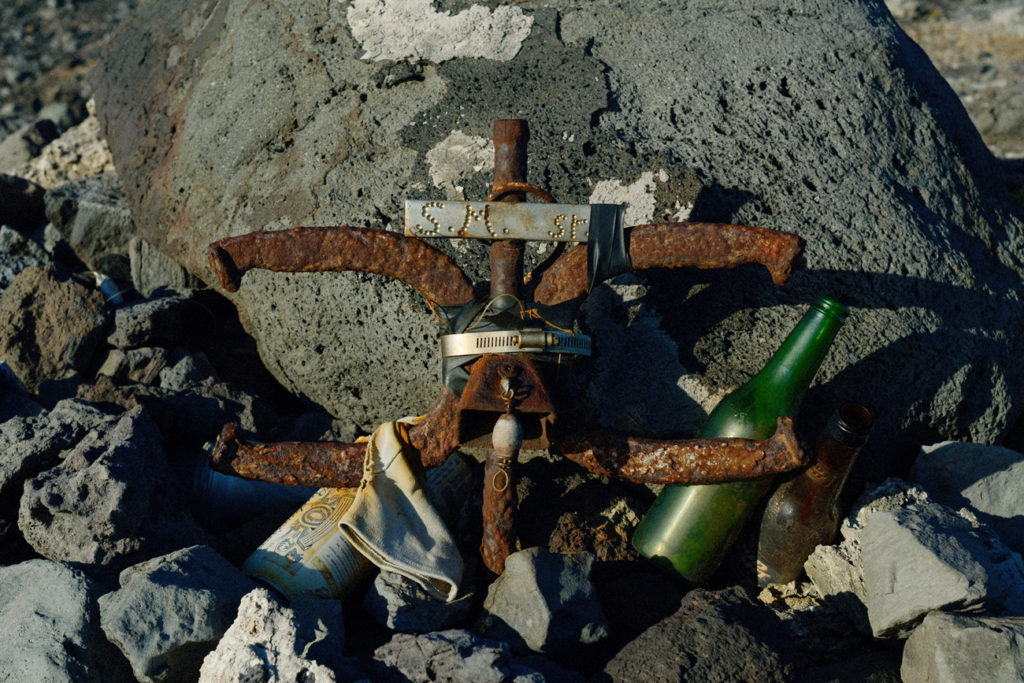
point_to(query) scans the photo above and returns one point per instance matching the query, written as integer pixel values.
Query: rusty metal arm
(675, 245)
(436, 436)
(296, 463)
(329, 463)
(684, 461)
(408, 259)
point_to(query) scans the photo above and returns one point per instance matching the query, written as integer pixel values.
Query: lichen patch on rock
(413, 30)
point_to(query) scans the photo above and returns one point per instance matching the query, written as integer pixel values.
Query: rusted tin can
(309, 554)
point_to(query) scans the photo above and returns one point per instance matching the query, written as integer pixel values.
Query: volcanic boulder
(229, 117)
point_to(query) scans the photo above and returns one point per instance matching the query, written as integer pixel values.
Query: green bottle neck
(797, 361)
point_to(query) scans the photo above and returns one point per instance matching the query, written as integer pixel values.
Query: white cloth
(393, 523)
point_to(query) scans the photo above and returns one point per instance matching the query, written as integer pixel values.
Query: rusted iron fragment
(676, 245)
(408, 259)
(296, 463)
(435, 437)
(684, 461)
(510, 138)
(499, 499)
(330, 463)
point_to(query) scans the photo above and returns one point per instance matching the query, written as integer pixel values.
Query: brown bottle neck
(838, 446)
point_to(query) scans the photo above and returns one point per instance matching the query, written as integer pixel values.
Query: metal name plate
(498, 220)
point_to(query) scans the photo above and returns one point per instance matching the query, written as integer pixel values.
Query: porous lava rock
(51, 325)
(810, 116)
(714, 636)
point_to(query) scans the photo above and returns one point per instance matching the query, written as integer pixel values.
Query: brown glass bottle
(802, 513)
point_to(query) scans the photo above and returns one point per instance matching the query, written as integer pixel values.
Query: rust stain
(435, 437)
(684, 461)
(679, 245)
(296, 463)
(431, 272)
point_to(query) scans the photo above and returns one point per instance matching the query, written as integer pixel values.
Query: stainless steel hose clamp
(529, 340)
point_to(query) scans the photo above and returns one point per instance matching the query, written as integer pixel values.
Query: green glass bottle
(690, 528)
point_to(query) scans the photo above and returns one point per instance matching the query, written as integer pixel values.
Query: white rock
(414, 30)
(270, 642)
(81, 152)
(926, 558)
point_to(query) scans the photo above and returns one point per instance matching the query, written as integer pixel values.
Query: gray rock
(986, 478)
(171, 611)
(639, 353)
(544, 602)
(16, 254)
(100, 505)
(838, 128)
(188, 417)
(135, 365)
(60, 113)
(949, 648)
(185, 370)
(50, 325)
(926, 558)
(21, 203)
(402, 605)
(151, 322)
(14, 397)
(94, 219)
(271, 642)
(826, 647)
(837, 570)
(457, 655)
(151, 270)
(714, 636)
(49, 626)
(32, 444)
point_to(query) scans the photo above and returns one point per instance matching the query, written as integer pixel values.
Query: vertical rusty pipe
(499, 507)
(510, 139)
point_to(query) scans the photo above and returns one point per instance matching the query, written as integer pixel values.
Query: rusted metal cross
(508, 400)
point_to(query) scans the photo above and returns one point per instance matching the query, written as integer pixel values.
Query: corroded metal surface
(499, 498)
(510, 137)
(298, 463)
(436, 437)
(410, 260)
(677, 245)
(511, 386)
(684, 461)
(330, 463)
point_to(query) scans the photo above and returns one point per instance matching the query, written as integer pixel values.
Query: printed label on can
(308, 554)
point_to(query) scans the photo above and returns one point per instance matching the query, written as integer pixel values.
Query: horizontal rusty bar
(330, 463)
(675, 245)
(297, 463)
(684, 461)
(431, 272)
